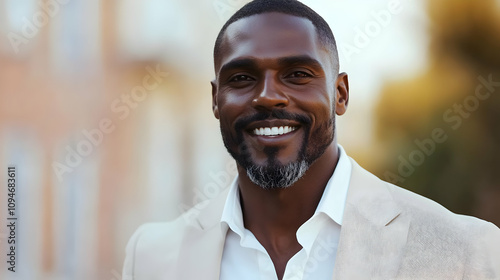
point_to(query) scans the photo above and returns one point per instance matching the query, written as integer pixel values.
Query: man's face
(274, 94)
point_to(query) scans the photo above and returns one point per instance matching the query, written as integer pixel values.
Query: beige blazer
(387, 233)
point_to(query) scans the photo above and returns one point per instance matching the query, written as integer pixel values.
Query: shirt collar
(232, 215)
(332, 202)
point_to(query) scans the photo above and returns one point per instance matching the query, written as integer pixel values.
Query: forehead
(270, 36)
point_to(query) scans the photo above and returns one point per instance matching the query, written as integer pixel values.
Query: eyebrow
(300, 60)
(238, 64)
(249, 63)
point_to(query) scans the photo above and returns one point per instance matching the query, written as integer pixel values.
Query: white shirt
(245, 258)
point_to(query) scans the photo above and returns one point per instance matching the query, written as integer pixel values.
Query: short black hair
(289, 7)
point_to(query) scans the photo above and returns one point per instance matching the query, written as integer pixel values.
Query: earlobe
(215, 108)
(216, 112)
(342, 92)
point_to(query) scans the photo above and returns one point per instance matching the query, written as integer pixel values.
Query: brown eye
(299, 74)
(241, 78)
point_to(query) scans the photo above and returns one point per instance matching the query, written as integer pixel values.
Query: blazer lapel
(374, 231)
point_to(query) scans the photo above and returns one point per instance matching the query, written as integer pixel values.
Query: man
(300, 208)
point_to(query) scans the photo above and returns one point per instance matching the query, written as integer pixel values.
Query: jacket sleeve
(493, 238)
(484, 258)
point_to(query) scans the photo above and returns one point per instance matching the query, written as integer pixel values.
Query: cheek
(232, 105)
(226, 118)
(229, 110)
(319, 105)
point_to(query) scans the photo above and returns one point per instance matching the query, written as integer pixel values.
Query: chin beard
(277, 176)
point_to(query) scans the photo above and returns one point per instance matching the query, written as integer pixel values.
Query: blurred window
(148, 29)
(18, 13)
(75, 38)
(76, 213)
(16, 25)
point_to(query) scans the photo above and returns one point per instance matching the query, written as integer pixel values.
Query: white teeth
(267, 131)
(273, 131)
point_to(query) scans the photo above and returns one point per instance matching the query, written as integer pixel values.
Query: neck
(274, 216)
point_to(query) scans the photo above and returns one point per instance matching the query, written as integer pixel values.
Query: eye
(299, 74)
(241, 78)
(299, 77)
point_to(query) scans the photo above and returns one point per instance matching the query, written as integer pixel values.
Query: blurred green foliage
(464, 46)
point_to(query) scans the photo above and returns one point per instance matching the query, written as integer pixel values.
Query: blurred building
(105, 110)
(68, 68)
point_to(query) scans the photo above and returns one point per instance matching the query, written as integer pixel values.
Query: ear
(342, 93)
(215, 108)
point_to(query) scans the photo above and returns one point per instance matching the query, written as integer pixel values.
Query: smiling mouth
(273, 131)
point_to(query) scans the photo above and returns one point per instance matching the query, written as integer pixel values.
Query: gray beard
(274, 175)
(277, 176)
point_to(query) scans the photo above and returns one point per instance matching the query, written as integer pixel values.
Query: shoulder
(155, 246)
(155, 235)
(425, 211)
(150, 244)
(467, 243)
(436, 238)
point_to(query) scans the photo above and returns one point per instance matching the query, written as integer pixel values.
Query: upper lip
(272, 123)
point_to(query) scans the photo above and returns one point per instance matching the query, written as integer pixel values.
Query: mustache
(273, 114)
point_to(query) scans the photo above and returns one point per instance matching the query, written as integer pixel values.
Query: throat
(281, 247)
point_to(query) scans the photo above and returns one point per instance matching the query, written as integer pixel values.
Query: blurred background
(105, 112)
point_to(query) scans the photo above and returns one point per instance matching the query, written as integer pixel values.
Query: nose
(270, 97)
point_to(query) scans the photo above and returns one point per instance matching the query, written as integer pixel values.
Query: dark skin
(274, 60)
